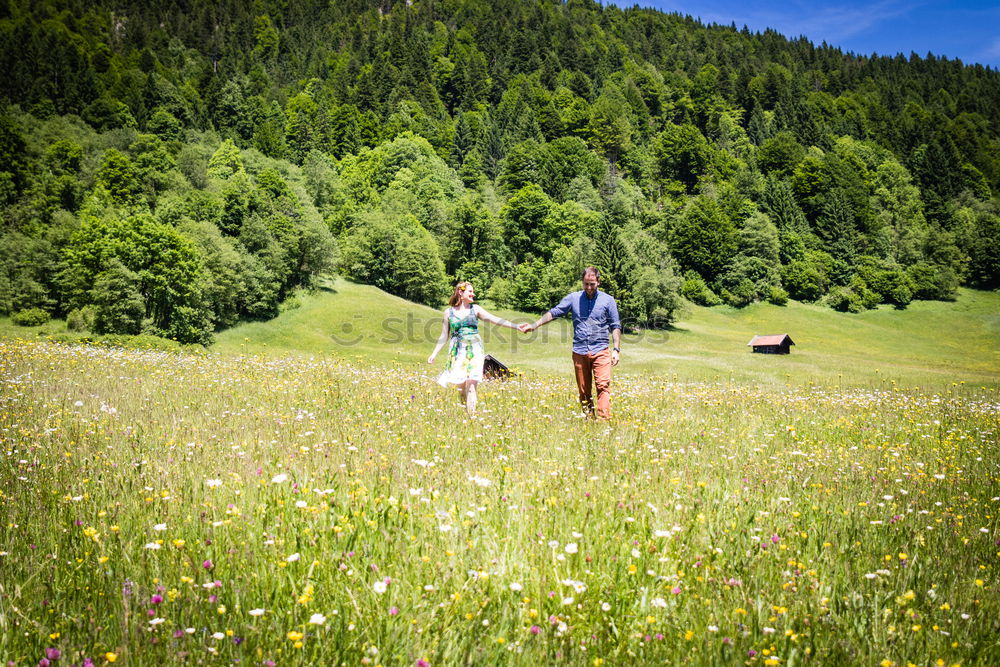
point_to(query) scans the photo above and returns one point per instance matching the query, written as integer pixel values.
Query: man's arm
(543, 320)
(561, 308)
(616, 332)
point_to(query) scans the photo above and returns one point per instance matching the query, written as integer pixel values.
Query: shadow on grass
(325, 283)
(669, 329)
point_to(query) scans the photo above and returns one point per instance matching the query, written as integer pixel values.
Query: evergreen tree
(610, 131)
(615, 259)
(780, 204)
(682, 154)
(836, 227)
(703, 238)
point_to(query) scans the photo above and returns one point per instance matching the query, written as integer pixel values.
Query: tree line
(173, 168)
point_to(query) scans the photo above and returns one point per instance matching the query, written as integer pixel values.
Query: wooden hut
(772, 344)
(494, 370)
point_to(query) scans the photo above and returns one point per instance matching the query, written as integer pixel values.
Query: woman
(465, 354)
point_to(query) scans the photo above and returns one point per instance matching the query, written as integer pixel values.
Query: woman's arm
(482, 314)
(441, 339)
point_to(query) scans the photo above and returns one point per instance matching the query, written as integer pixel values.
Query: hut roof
(493, 369)
(772, 339)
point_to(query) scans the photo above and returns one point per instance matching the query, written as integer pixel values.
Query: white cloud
(832, 22)
(991, 51)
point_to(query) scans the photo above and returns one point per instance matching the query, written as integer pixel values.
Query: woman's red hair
(456, 296)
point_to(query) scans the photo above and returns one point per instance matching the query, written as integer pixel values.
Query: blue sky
(967, 30)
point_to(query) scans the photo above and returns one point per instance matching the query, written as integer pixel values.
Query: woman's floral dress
(465, 353)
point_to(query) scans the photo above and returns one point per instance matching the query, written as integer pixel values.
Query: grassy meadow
(304, 494)
(928, 344)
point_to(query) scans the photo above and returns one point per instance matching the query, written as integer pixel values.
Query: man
(594, 314)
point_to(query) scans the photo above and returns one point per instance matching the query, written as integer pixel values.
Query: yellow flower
(294, 636)
(110, 657)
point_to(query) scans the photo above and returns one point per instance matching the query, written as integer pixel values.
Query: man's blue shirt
(592, 319)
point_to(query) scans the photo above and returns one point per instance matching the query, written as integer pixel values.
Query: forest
(175, 167)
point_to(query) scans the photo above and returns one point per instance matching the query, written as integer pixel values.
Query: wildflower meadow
(172, 507)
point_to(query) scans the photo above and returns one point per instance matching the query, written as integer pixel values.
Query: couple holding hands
(595, 318)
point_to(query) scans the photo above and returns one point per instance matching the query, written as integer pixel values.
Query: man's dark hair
(591, 269)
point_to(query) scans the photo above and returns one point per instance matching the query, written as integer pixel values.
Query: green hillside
(929, 343)
(179, 168)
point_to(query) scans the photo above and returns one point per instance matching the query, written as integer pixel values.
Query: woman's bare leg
(470, 396)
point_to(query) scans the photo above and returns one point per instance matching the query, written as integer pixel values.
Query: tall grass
(162, 507)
